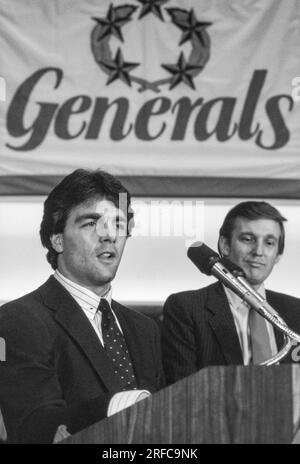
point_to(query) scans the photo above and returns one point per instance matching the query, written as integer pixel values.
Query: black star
(181, 72)
(111, 24)
(118, 68)
(152, 6)
(192, 29)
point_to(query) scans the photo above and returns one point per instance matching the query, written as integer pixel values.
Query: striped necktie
(115, 347)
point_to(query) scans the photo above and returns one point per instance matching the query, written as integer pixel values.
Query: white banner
(153, 91)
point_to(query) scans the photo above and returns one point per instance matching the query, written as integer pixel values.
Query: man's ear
(57, 242)
(224, 246)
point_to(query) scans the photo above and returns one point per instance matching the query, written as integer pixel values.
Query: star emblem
(112, 23)
(181, 72)
(118, 68)
(192, 29)
(152, 6)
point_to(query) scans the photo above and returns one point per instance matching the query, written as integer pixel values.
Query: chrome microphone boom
(210, 263)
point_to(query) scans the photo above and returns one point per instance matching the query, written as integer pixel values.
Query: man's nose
(106, 231)
(258, 248)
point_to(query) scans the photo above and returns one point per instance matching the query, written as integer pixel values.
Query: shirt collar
(237, 301)
(86, 299)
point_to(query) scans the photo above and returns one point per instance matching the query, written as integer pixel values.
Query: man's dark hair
(79, 187)
(253, 210)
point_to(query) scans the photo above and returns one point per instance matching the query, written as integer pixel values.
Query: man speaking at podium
(213, 326)
(74, 355)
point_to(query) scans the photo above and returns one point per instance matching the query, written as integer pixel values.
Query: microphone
(209, 263)
(236, 270)
(231, 275)
(203, 257)
(241, 277)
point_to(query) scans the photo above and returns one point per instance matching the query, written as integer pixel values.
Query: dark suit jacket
(56, 370)
(199, 330)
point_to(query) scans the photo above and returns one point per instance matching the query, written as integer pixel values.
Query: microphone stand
(266, 311)
(210, 263)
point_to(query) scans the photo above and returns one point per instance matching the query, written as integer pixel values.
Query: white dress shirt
(240, 312)
(89, 302)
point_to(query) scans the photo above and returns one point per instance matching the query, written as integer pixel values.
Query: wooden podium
(233, 404)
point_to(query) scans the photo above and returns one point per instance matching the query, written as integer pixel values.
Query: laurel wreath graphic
(184, 71)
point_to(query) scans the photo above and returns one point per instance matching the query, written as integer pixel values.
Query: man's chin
(106, 277)
(255, 281)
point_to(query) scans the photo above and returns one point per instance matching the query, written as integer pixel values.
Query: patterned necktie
(259, 337)
(115, 347)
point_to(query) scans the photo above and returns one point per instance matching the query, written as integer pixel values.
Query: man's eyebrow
(83, 217)
(253, 234)
(272, 236)
(96, 216)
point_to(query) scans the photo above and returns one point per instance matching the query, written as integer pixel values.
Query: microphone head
(203, 257)
(233, 268)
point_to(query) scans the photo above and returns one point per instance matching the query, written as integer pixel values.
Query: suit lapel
(73, 320)
(222, 323)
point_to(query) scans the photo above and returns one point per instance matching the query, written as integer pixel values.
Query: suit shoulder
(283, 298)
(288, 308)
(191, 295)
(25, 301)
(190, 303)
(28, 310)
(135, 315)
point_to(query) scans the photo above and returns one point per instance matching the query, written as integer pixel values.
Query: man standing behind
(213, 326)
(74, 355)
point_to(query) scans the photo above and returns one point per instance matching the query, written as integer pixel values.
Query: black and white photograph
(149, 225)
